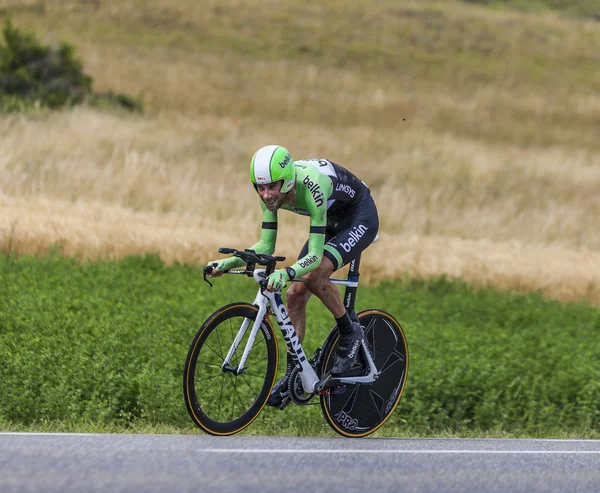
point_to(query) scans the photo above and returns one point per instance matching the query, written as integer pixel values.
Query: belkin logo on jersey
(315, 190)
(345, 188)
(356, 234)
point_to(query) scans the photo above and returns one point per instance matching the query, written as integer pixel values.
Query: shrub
(52, 77)
(585, 9)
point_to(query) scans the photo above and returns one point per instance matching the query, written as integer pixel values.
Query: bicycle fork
(261, 303)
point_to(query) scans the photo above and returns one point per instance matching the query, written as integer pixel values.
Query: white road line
(213, 450)
(396, 451)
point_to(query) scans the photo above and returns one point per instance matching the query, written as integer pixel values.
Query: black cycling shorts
(350, 232)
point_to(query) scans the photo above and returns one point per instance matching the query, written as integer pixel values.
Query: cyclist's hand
(277, 280)
(217, 268)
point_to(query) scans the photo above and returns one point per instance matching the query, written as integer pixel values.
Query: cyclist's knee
(296, 297)
(326, 268)
(318, 282)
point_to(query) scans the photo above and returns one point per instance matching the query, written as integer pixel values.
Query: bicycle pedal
(338, 390)
(284, 403)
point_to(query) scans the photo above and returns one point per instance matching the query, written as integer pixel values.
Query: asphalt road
(198, 463)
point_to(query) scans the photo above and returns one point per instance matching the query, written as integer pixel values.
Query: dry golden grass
(493, 176)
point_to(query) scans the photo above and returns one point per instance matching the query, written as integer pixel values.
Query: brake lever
(263, 283)
(207, 270)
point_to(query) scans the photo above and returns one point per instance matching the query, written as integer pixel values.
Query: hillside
(476, 127)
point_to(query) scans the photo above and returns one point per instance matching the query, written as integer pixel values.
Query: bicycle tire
(364, 408)
(218, 412)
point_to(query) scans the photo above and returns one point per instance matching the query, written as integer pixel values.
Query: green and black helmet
(273, 163)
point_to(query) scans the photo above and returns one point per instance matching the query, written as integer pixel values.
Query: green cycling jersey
(323, 189)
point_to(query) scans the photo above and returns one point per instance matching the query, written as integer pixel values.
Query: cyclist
(343, 222)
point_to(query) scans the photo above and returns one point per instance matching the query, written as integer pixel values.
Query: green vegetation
(580, 8)
(473, 110)
(32, 74)
(500, 77)
(101, 346)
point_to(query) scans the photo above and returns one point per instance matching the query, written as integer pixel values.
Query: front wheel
(219, 400)
(360, 409)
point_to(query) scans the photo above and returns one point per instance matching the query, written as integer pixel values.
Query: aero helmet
(273, 163)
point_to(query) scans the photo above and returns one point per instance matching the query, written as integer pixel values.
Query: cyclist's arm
(317, 209)
(268, 233)
(266, 243)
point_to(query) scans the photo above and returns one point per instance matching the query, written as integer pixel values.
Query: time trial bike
(232, 362)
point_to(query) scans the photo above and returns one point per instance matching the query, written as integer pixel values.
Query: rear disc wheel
(361, 409)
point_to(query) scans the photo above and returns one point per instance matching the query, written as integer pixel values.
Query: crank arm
(330, 381)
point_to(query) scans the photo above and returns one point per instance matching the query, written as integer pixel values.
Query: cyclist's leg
(351, 333)
(345, 240)
(318, 283)
(297, 296)
(296, 299)
(354, 234)
(280, 390)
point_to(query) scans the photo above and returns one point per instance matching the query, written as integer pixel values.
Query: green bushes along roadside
(103, 344)
(32, 74)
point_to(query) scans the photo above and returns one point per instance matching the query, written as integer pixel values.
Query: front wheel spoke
(256, 362)
(219, 343)
(250, 374)
(214, 365)
(242, 404)
(248, 384)
(256, 347)
(231, 329)
(218, 399)
(210, 377)
(210, 347)
(207, 388)
(235, 392)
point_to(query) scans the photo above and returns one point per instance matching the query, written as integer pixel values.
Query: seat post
(350, 293)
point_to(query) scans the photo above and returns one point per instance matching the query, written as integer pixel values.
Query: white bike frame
(263, 300)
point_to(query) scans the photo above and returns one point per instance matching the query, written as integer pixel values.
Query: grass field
(101, 347)
(475, 126)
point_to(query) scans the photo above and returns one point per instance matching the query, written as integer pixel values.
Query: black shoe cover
(347, 351)
(280, 391)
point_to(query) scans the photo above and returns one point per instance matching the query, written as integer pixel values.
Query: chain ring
(297, 394)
